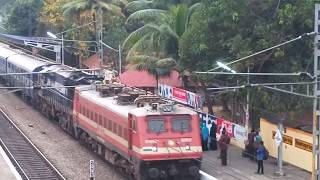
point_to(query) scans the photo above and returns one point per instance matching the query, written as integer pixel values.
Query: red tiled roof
(136, 78)
(92, 62)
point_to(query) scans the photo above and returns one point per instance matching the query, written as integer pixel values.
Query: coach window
(100, 120)
(91, 115)
(104, 122)
(96, 117)
(125, 133)
(109, 125)
(88, 113)
(114, 129)
(119, 130)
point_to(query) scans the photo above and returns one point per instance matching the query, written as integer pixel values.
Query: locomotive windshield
(181, 124)
(156, 125)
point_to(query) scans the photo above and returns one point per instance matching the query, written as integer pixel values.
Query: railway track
(28, 160)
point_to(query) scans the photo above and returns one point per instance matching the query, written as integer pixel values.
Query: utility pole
(279, 171)
(62, 49)
(120, 59)
(99, 35)
(316, 94)
(247, 108)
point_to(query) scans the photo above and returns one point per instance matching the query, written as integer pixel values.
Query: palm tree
(156, 66)
(77, 7)
(160, 31)
(88, 9)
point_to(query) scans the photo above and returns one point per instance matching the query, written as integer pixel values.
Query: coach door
(130, 131)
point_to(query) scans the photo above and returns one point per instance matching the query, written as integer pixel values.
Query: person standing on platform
(250, 146)
(213, 136)
(261, 152)
(204, 137)
(223, 145)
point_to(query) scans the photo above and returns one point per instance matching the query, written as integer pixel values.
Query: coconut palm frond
(138, 34)
(137, 59)
(180, 14)
(141, 47)
(166, 63)
(165, 29)
(192, 9)
(74, 6)
(147, 14)
(138, 5)
(114, 9)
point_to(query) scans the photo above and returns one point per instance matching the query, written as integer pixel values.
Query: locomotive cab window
(156, 125)
(181, 124)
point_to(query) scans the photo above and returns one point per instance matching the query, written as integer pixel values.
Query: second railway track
(27, 159)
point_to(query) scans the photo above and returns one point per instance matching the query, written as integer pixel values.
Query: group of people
(256, 150)
(209, 140)
(254, 146)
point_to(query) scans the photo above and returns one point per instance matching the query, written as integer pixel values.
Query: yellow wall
(294, 155)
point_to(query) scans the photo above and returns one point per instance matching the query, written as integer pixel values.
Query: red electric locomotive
(137, 132)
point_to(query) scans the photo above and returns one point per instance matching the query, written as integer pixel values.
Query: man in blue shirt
(261, 152)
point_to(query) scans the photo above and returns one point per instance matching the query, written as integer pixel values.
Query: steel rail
(45, 166)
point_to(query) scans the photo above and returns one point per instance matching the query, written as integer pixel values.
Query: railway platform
(7, 170)
(241, 168)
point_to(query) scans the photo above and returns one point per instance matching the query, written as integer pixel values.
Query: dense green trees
(161, 34)
(226, 30)
(23, 18)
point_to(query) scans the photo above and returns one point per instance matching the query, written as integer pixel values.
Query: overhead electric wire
(252, 74)
(9, 92)
(53, 71)
(265, 50)
(290, 92)
(45, 59)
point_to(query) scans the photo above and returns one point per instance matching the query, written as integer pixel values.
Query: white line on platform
(12, 168)
(205, 176)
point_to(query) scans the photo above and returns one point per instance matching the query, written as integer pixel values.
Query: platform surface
(7, 170)
(241, 168)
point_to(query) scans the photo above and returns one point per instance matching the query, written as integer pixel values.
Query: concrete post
(316, 110)
(279, 171)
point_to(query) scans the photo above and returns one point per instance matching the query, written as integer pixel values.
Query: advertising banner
(221, 123)
(233, 130)
(180, 95)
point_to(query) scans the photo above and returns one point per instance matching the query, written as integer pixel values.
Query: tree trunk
(224, 100)
(207, 98)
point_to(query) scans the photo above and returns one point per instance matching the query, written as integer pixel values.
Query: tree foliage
(22, 20)
(226, 30)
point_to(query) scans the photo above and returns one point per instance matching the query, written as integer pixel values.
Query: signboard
(180, 95)
(239, 132)
(92, 170)
(221, 123)
(285, 138)
(278, 137)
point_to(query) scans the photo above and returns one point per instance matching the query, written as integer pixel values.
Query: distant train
(139, 133)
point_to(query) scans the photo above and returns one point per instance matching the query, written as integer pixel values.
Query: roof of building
(93, 62)
(135, 78)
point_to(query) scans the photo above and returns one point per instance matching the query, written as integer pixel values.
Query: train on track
(146, 137)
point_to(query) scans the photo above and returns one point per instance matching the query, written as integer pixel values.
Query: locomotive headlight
(154, 149)
(171, 143)
(188, 147)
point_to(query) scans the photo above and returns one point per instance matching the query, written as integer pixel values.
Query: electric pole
(99, 35)
(316, 94)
